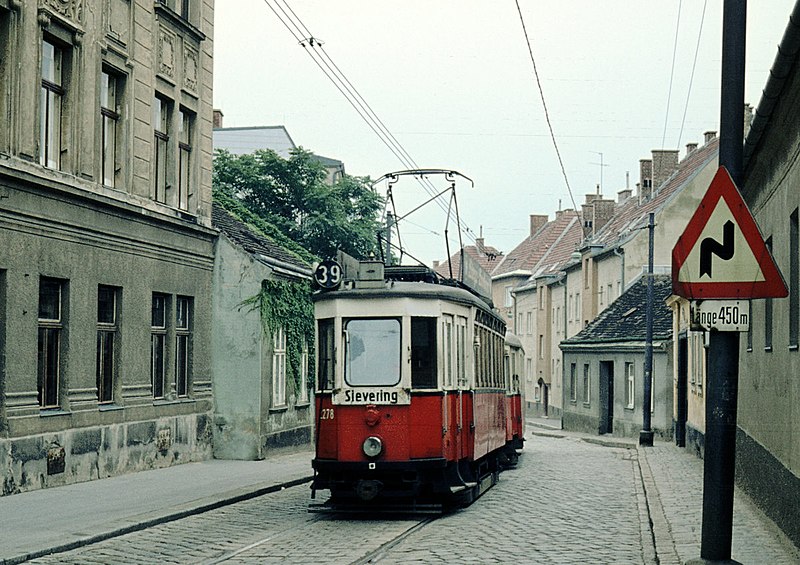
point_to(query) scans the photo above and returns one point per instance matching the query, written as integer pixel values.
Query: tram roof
(403, 289)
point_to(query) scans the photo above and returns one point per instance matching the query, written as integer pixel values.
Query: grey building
(258, 406)
(768, 435)
(106, 242)
(249, 139)
(604, 366)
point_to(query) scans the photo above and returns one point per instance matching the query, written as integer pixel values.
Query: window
(372, 352)
(325, 349)
(448, 354)
(529, 322)
(630, 381)
(161, 118)
(794, 280)
(586, 383)
(183, 9)
(279, 367)
(302, 396)
(423, 353)
(461, 351)
(573, 384)
(109, 119)
(520, 328)
(185, 126)
(541, 346)
(107, 298)
(183, 344)
(158, 344)
(509, 298)
(768, 304)
(51, 327)
(52, 96)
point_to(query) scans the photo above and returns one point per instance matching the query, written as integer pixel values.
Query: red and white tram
(418, 399)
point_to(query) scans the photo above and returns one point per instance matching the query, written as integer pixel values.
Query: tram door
(460, 351)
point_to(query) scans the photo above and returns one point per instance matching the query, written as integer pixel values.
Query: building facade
(768, 435)
(106, 244)
(259, 406)
(604, 367)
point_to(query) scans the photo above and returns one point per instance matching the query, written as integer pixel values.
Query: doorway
(682, 410)
(606, 397)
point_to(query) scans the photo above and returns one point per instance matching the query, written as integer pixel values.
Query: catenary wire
(346, 88)
(544, 105)
(671, 73)
(694, 66)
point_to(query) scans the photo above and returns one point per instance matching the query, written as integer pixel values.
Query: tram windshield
(372, 355)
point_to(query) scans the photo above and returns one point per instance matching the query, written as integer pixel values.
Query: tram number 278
(326, 414)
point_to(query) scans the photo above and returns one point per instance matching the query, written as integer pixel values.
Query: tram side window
(326, 349)
(423, 352)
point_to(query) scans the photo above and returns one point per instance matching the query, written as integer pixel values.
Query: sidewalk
(40, 522)
(673, 483)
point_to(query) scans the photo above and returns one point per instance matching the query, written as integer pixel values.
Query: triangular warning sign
(721, 254)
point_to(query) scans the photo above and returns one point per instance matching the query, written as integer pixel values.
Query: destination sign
(371, 395)
(720, 315)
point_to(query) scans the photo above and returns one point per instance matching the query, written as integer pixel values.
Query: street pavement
(40, 522)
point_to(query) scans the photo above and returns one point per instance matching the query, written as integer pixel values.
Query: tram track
(376, 555)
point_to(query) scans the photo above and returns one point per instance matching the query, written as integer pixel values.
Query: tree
(292, 195)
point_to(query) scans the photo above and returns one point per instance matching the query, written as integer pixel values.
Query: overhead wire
(319, 55)
(672, 73)
(694, 66)
(544, 105)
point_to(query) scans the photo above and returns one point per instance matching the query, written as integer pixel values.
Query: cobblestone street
(571, 499)
(568, 501)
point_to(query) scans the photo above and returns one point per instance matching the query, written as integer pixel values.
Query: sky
(453, 82)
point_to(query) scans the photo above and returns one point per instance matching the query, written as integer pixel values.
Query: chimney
(623, 195)
(690, 148)
(709, 136)
(537, 222)
(748, 118)
(479, 245)
(665, 162)
(436, 265)
(603, 212)
(217, 123)
(645, 179)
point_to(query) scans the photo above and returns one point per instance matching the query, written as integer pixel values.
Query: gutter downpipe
(621, 254)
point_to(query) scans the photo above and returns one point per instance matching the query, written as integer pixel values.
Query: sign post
(721, 255)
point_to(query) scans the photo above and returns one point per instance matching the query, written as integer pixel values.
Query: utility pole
(646, 434)
(723, 355)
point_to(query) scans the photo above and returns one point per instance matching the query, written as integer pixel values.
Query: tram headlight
(372, 446)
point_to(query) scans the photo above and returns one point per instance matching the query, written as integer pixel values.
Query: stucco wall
(626, 422)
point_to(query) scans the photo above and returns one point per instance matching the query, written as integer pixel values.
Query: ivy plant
(287, 304)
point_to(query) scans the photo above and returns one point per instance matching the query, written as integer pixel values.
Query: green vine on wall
(288, 304)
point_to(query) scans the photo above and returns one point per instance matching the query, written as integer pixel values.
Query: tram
(418, 396)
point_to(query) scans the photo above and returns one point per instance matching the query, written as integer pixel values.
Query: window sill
(52, 412)
(768, 349)
(278, 409)
(304, 404)
(170, 402)
(587, 404)
(110, 407)
(793, 347)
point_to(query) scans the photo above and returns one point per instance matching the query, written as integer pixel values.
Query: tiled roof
(250, 240)
(625, 318)
(486, 256)
(630, 214)
(536, 249)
